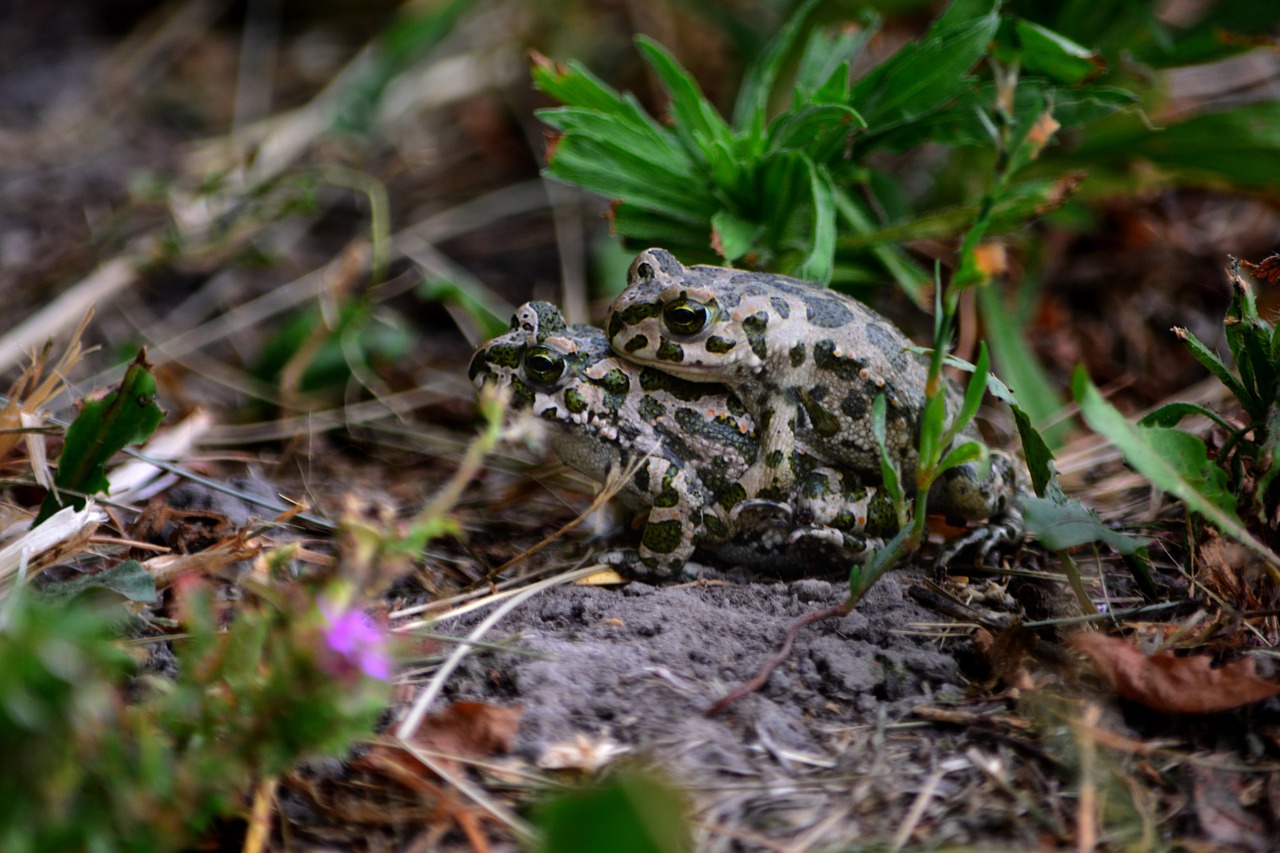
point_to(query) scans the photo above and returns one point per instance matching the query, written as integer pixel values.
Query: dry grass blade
(36, 389)
(422, 704)
(65, 530)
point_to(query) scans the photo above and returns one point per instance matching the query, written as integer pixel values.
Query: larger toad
(692, 449)
(808, 364)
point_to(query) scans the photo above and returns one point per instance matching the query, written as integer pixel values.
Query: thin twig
(841, 609)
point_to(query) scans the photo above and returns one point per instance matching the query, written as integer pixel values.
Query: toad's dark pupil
(543, 365)
(685, 317)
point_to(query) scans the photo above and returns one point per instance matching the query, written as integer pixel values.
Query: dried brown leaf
(1268, 269)
(1175, 685)
(470, 728)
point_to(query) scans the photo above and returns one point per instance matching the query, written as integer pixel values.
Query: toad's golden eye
(684, 316)
(544, 365)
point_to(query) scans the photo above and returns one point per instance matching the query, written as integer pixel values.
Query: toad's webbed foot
(1004, 530)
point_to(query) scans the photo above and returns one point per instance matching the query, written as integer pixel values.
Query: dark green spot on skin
(846, 368)
(797, 355)
(882, 517)
(653, 381)
(814, 487)
(616, 382)
(720, 431)
(641, 478)
(651, 409)
(667, 351)
(780, 307)
(667, 496)
(574, 401)
(718, 345)
(754, 328)
(636, 343)
(550, 320)
(733, 496)
(824, 423)
(774, 459)
(855, 405)
(802, 465)
(636, 312)
(521, 395)
(826, 313)
(772, 493)
(765, 420)
(714, 527)
(662, 537)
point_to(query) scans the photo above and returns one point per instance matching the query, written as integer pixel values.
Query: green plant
(128, 415)
(794, 189)
(1241, 475)
(88, 769)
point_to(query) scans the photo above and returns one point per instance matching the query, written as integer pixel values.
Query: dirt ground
(639, 666)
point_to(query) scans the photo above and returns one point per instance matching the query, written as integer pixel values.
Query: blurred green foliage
(86, 768)
(627, 812)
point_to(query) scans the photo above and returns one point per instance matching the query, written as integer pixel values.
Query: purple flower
(356, 642)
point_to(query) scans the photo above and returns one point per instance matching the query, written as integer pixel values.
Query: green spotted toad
(692, 447)
(808, 363)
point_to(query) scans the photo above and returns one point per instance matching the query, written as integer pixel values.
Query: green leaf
(1171, 414)
(1237, 148)
(734, 235)
(1249, 338)
(974, 391)
(242, 664)
(128, 415)
(964, 124)
(888, 470)
(575, 86)
(616, 173)
(128, 579)
(1215, 365)
(1015, 207)
(1060, 526)
(1016, 360)
(642, 141)
(863, 577)
(762, 75)
(689, 242)
(923, 76)
(823, 73)
(820, 131)
(905, 272)
(629, 812)
(970, 451)
(696, 121)
(1269, 459)
(1173, 461)
(1038, 455)
(1043, 51)
(931, 428)
(818, 264)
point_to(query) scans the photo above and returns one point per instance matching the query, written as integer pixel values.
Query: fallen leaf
(1176, 685)
(1267, 270)
(469, 729)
